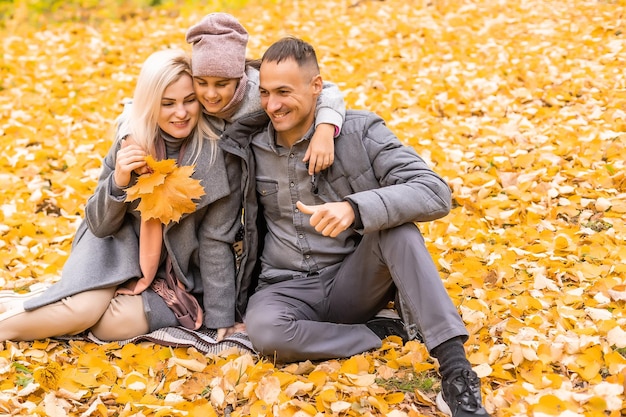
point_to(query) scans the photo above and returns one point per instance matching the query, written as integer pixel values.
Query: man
(339, 245)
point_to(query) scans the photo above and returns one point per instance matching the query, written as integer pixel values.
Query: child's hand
(321, 151)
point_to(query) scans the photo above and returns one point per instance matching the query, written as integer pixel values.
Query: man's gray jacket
(388, 182)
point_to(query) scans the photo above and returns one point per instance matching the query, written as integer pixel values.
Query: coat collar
(241, 131)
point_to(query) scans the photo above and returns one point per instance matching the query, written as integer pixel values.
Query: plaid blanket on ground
(202, 339)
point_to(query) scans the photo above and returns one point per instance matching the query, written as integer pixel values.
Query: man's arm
(331, 108)
(409, 190)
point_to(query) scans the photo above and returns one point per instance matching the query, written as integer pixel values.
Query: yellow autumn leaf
(340, 406)
(531, 145)
(82, 377)
(196, 384)
(135, 381)
(304, 406)
(166, 193)
(362, 380)
(300, 368)
(260, 409)
(298, 388)
(394, 398)
(48, 376)
(284, 378)
(268, 389)
(125, 395)
(379, 403)
(328, 396)
(191, 364)
(147, 183)
(318, 378)
(422, 398)
(164, 166)
(588, 364)
(550, 405)
(618, 292)
(97, 408)
(532, 373)
(355, 365)
(202, 408)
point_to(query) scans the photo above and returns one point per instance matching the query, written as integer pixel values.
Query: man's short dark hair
(294, 48)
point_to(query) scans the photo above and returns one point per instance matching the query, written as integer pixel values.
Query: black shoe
(460, 395)
(384, 327)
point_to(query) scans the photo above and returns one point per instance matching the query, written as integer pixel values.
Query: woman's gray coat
(105, 250)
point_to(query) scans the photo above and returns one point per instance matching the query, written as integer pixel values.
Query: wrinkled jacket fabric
(105, 250)
(235, 142)
(369, 159)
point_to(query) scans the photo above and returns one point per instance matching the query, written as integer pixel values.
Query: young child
(227, 85)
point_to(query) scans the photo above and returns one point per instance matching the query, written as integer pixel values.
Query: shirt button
(292, 184)
(297, 211)
(307, 256)
(301, 236)
(291, 155)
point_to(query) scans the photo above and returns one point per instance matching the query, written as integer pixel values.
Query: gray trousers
(322, 315)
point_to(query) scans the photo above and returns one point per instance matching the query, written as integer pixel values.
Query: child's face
(215, 93)
(180, 109)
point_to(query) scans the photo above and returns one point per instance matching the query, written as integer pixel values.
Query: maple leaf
(167, 192)
(48, 376)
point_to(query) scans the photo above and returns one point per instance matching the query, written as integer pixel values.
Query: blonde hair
(160, 70)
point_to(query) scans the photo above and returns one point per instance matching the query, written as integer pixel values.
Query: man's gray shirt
(291, 245)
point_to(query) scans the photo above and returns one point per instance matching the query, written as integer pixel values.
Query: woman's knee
(124, 318)
(87, 307)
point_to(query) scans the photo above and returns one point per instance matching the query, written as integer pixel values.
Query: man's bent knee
(268, 334)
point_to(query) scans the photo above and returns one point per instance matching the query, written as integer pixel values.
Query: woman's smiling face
(180, 109)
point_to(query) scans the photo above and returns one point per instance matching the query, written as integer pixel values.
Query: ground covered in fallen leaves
(520, 105)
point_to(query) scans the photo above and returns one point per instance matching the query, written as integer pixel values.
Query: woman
(165, 122)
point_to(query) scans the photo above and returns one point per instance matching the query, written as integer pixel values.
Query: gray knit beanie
(218, 46)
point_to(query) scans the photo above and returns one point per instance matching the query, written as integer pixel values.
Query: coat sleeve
(408, 190)
(331, 107)
(106, 208)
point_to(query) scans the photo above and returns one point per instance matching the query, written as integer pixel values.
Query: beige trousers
(107, 316)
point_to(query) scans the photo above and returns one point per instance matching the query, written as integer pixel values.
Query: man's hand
(329, 219)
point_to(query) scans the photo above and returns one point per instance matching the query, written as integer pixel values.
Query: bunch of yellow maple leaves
(519, 104)
(166, 192)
